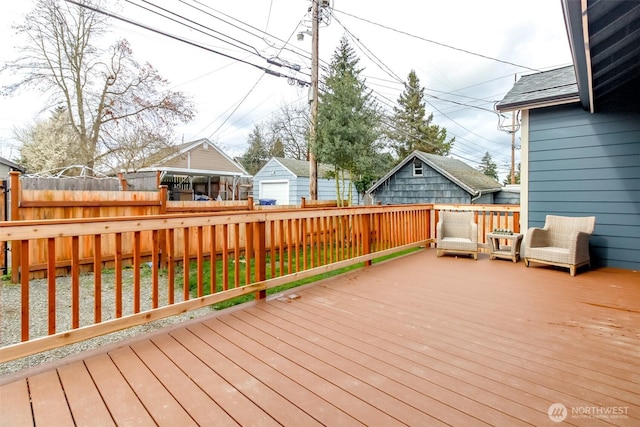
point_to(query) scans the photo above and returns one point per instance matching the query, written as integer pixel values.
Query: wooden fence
(34, 205)
(209, 258)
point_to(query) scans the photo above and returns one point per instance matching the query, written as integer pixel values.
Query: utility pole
(313, 131)
(513, 141)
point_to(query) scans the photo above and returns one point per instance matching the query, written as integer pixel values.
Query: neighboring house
(428, 178)
(193, 169)
(287, 180)
(508, 195)
(7, 166)
(581, 131)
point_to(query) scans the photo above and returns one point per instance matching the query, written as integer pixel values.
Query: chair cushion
(550, 253)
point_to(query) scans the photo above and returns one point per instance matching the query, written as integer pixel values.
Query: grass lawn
(242, 276)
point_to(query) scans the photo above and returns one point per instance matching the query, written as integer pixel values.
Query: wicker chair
(457, 232)
(564, 241)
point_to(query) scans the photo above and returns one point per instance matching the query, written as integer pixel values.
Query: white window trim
(421, 168)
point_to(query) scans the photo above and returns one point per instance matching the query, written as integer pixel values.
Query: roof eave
(575, 18)
(538, 103)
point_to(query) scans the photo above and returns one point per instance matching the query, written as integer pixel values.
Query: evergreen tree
(411, 130)
(348, 122)
(257, 153)
(488, 166)
(507, 180)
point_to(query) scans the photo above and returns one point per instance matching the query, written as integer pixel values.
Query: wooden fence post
(260, 238)
(250, 203)
(124, 185)
(303, 202)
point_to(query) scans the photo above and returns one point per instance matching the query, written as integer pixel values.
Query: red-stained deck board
(199, 405)
(234, 378)
(435, 392)
(359, 409)
(239, 408)
(418, 340)
(164, 409)
(124, 406)
(15, 406)
(49, 402)
(273, 403)
(402, 402)
(86, 404)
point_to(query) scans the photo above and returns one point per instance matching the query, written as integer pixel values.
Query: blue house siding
(583, 164)
(431, 187)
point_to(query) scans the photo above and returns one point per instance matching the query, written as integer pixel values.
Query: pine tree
(348, 122)
(411, 130)
(488, 166)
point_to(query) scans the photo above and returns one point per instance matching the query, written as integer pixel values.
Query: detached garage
(287, 180)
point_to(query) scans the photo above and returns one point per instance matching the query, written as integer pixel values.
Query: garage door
(277, 190)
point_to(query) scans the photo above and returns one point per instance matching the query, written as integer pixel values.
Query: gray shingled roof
(463, 175)
(547, 87)
(301, 167)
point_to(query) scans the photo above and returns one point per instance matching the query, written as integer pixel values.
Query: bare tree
(110, 99)
(291, 127)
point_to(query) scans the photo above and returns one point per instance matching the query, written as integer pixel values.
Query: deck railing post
(259, 247)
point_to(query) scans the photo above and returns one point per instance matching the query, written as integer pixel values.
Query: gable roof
(546, 88)
(192, 145)
(300, 168)
(464, 176)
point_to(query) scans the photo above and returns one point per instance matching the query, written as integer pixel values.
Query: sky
(466, 54)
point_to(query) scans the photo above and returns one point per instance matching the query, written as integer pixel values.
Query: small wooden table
(510, 251)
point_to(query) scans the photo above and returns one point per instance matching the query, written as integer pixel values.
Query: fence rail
(207, 259)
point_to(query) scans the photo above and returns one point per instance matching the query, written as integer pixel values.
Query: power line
(437, 43)
(249, 48)
(291, 79)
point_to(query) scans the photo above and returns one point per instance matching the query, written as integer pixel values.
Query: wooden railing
(195, 260)
(488, 218)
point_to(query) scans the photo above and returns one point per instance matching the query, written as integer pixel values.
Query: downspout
(477, 197)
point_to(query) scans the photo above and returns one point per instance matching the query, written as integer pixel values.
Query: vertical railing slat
(75, 282)
(186, 247)
(213, 268)
(24, 289)
(171, 266)
(200, 260)
(155, 264)
(137, 264)
(51, 284)
(118, 272)
(97, 278)
(225, 257)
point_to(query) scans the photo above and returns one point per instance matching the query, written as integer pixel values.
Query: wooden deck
(420, 341)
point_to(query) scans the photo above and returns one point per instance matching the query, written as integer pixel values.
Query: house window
(417, 168)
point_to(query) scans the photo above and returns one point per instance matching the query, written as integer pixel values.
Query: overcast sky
(465, 53)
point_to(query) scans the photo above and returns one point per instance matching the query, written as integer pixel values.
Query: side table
(509, 251)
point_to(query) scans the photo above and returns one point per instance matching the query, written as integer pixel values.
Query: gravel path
(10, 295)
